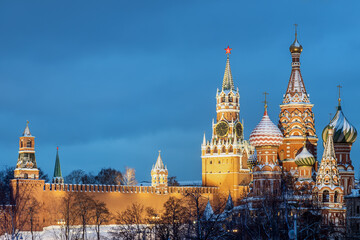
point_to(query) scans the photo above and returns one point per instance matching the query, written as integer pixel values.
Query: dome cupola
(305, 158)
(266, 133)
(344, 132)
(296, 47)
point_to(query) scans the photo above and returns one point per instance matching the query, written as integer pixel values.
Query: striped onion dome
(305, 158)
(266, 133)
(251, 162)
(344, 132)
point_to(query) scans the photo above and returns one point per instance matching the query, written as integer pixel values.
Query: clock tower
(224, 156)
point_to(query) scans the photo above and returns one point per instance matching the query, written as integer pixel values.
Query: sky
(113, 82)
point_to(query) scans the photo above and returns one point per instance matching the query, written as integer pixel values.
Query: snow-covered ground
(57, 233)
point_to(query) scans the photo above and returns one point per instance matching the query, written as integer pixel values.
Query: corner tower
(26, 167)
(159, 175)
(296, 118)
(224, 156)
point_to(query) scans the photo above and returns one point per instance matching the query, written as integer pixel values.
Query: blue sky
(112, 82)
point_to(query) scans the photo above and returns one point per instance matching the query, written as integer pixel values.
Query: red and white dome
(266, 133)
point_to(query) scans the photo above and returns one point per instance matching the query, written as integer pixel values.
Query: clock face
(222, 129)
(238, 129)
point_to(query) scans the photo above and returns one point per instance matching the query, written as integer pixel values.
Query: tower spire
(27, 130)
(296, 92)
(228, 83)
(57, 178)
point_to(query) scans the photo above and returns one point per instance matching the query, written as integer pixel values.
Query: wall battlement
(99, 188)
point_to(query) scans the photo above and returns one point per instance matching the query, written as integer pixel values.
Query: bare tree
(17, 209)
(68, 213)
(84, 209)
(131, 223)
(200, 227)
(129, 177)
(101, 216)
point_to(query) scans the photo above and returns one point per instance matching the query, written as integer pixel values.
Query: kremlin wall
(230, 163)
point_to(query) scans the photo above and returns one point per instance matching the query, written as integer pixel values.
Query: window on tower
(28, 144)
(326, 196)
(336, 197)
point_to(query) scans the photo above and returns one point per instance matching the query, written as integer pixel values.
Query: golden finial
(27, 122)
(265, 101)
(295, 30)
(339, 99)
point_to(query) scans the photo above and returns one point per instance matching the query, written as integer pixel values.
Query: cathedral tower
(328, 188)
(224, 156)
(266, 138)
(344, 136)
(159, 175)
(296, 119)
(26, 167)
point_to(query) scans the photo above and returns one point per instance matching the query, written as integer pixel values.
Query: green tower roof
(57, 169)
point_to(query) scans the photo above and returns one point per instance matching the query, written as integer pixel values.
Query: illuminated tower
(344, 136)
(224, 156)
(26, 167)
(266, 138)
(296, 119)
(159, 175)
(57, 178)
(328, 188)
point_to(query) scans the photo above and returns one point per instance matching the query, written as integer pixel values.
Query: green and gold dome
(305, 158)
(344, 132)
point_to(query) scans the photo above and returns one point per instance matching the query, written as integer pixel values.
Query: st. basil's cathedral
(231, 165)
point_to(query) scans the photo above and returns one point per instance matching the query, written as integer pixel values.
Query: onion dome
(344, 132)
(251, 162)
(266, 133)
(296, 46)
(305, 158)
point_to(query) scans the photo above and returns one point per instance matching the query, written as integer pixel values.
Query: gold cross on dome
(295, 28)
(265, 102)
(339, 87)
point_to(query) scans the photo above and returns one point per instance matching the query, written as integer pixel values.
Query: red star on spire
(228, 50)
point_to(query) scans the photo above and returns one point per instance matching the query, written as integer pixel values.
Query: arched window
(26, 176)
(326, 196)
(28, 144)
(21, 144)
(336, 197)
